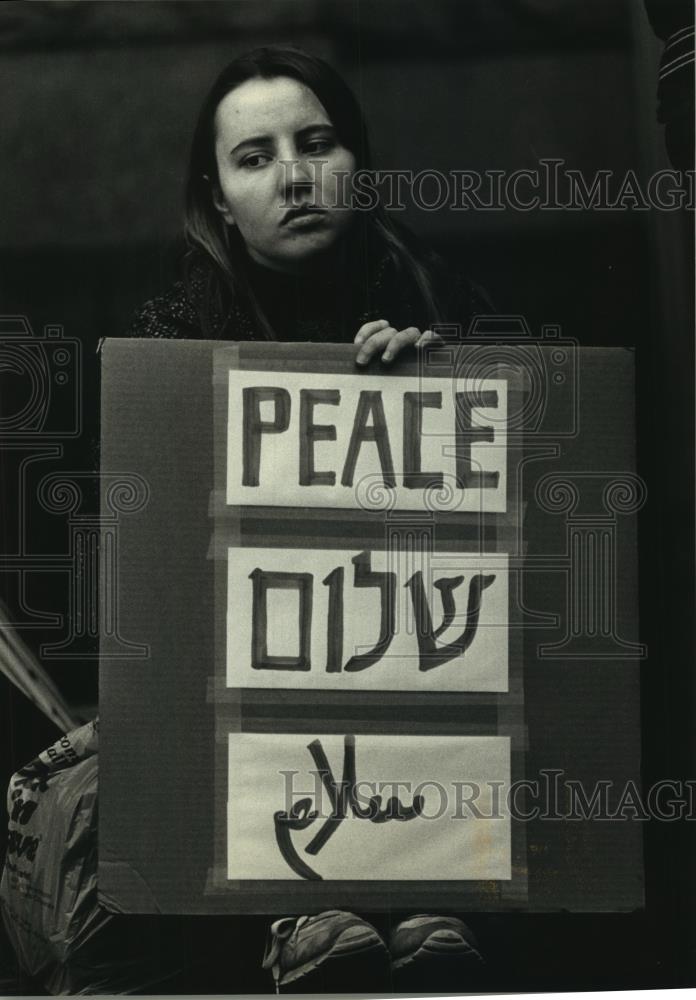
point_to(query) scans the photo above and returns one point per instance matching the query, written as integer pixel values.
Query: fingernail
(360, 360)
(386, 356)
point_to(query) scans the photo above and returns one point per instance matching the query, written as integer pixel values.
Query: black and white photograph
(347, 497)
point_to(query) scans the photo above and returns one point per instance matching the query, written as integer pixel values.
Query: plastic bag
(48, 892)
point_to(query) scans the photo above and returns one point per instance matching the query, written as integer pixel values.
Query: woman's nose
(297, 172)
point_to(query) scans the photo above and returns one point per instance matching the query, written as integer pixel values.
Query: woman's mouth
(303, 217)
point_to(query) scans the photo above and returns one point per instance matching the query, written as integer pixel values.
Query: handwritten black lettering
(299, 818)
(430, 654)
(263, 581)
(414, 403)
(369, 404)
(466, 435)
(364, 576)
(334, 623)
(254, 427)
(343, 798)
(311, 432)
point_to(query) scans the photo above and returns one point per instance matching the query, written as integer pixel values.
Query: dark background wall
(97, 102)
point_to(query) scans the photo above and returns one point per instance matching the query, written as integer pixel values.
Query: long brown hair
(222, 246)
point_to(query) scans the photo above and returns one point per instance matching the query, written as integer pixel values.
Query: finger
(429, 337)
(377, 342)
(400, 340)
(368, 329)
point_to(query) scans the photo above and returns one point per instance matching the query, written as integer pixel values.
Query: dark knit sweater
(327, 305)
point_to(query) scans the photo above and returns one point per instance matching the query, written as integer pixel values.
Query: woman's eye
(316, 146)
(255, 160)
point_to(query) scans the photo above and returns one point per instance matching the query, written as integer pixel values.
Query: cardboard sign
(343, 630)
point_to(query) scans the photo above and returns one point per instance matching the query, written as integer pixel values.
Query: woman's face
(279, 166)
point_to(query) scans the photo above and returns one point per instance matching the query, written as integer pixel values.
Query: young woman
(276, 251)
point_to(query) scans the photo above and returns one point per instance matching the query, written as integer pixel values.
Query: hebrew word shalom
(363, 441)
(370, 808)
(367, 620)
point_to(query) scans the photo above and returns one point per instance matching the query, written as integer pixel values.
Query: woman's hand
(380, 336)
